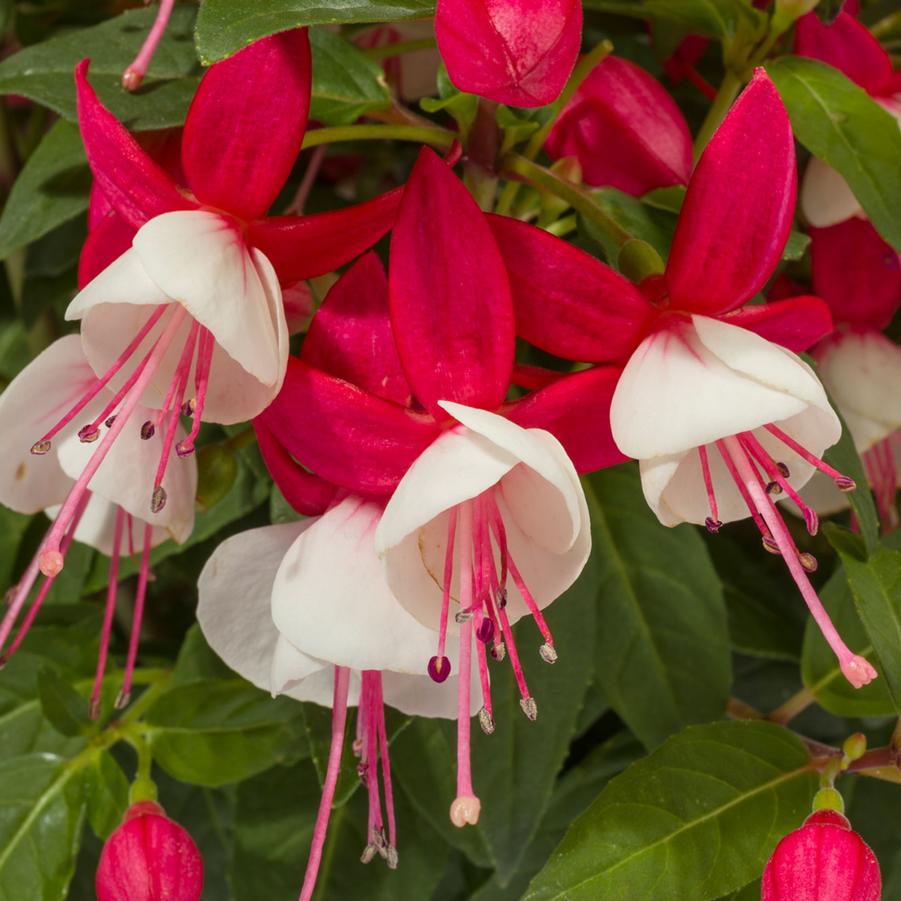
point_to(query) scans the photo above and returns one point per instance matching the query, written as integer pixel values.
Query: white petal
(331, 601)
(699, 382)
(290, 667)
(126, 475)
(862, 371)
(538, 495)
(420, 696)
(32, 403)
(230, 290)
(200, 259)
(826, 199)
(235, 591)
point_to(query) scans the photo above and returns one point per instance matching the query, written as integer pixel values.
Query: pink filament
(743, 490)
(448, 576)
(708, 484)
(137, 617)
(483, 669)
(51, 543)
(134, 74)
(201, 383)
(733, 449)
(386, 763)
(805, 454)
(339, 718)
(371, 754)
(108, 614)
(514, 654)
(101, 383)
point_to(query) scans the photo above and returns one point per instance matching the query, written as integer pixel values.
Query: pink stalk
(514, 654)
(339, 718)
(180, 374)
(843, 482)
(201, 383)
(372, 761)
(136, 618)
(855, 669)
(713, 523)
(386, 774)
(101, 383)
(51, 561)
(743, 490)
(448, 577)
(108, 614)
(134, 74)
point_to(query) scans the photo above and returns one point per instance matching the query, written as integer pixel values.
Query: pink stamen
(713, 523)
(514, 655)
(371, 756)
(339, 718)
(843, 482)
(201, 383)
(857, 670)
(136, 618)
(50, 559)
(759, 453)
(746, 497)
(108, 614)
(104, 380)
(466, 806)
(386, 774)
(47, 584)
(134, 74)
(448, 576)
(180, 375)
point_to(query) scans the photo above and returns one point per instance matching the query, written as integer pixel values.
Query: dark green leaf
(514, 769)
(841, 124)
(346, 83)
(62, 705)
(212, 733)
(663, 643)
(820, 669)
(696, 819)
(106, 794)
(713, 18)
(41, 814)
(876, 586)
(51, 189)
(45, 72)
(873, 811)
(225, 26)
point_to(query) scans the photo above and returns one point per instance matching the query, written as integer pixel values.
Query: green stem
(728, 91)
(574, 195)
(437, 137)
(797, 703)
(400, 48)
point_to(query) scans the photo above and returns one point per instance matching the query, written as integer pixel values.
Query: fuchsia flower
(149, 858)
(859, 276)
(195, 302)
(484, 510)
(719, 416)
(824, 860)
(518, 52)
(625, 130)
(848, 46)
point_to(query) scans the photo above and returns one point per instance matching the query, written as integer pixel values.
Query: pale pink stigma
(339, 718)
(137, 617)
(108, 614)
(855, 668)
(134, 74)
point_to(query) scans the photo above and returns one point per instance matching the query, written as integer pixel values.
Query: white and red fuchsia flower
(625, 130)
(716, 409)
(181, 305)
(518, 52)
(859, 276)
(848, 46)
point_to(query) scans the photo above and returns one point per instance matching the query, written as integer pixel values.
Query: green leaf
(819, 668)
(713, 18)
(663, 642)
(106, 794)
(515, 768)
(876, 586)
(51, 189)
(44, 72)
(64, 708)
(41, 815)
(213, 733)
(696, 819)
(638, 219)
(841, 124)
(225, 26)
(274, 820)
(346, 83)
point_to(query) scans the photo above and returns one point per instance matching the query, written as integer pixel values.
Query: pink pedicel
(477, 543)
(134, 74)
(754, 473)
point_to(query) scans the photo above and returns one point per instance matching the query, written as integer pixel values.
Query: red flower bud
(824, 860)
(149, 858)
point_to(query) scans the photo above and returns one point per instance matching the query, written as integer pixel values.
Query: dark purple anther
(485, 632)
(439, 668)
(148, 430)
(713, 525)
(88, 433)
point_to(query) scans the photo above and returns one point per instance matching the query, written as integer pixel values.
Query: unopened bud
(854, 747)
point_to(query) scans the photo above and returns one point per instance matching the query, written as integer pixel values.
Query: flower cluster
(435, 465)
